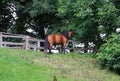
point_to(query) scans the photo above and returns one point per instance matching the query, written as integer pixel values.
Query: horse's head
(70, 33)
(67, 34)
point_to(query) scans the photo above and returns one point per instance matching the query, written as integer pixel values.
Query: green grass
(21, 65)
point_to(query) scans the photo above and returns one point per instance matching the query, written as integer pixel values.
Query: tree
(89, 19)
(109, 56)
(35, 14)
(6, 17)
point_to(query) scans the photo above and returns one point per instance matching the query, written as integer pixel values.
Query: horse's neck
(65, 35)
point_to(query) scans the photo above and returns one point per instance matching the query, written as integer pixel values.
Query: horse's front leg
(63, 48)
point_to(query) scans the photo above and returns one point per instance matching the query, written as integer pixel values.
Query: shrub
(109, 56)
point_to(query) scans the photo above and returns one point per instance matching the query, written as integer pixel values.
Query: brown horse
(60, 39)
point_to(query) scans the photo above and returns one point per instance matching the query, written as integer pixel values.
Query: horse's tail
(46, 44)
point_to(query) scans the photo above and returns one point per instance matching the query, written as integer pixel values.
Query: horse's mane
(65, 34)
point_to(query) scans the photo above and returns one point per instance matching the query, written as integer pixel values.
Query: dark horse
(60, 39)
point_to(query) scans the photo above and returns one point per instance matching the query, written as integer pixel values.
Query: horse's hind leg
(63, 50)
(50, 47)
(49, 50)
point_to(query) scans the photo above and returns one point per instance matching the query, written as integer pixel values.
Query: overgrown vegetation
(21, 65)
(109, 55)
(87, 18)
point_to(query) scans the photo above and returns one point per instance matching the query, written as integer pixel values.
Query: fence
(19, 41)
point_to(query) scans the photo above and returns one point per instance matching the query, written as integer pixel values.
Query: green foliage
(108, 17)
(41, 7)
(82, 8)
(87, 18)
(109, 55)
(63, 7)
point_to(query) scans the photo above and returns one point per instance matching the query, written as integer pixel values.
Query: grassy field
(21, 65)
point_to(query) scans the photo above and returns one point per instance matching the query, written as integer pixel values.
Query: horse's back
(56, 38)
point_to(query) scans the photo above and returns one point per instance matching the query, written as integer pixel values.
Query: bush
(109, 56)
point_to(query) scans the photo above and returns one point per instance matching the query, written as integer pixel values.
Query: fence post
(27, 43)
(0, 39)
(38, 44)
